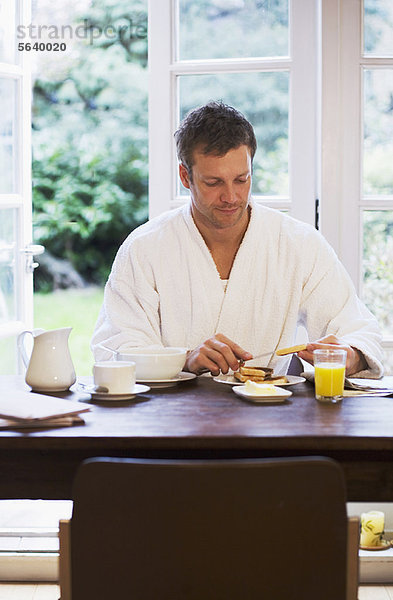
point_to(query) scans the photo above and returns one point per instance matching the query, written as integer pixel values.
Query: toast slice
(276, 379)
(291, 349)
(255, 371)
(257, 374)
(243, 378)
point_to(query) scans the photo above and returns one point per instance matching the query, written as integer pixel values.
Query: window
(16, 292)
(316, 80)
(257, 56)
(357, 128)
(377, 174)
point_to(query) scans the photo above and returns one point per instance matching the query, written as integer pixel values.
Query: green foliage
(263, 99)
(377, 266)
(83, 216)
(251, 28)
(378, 20)
(78, 308)
(90, 149)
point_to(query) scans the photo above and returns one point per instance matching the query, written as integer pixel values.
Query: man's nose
(228, 194)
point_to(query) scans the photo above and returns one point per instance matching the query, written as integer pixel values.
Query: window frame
(165, 68)
(21, 198)
(342, 197)
(324, 120)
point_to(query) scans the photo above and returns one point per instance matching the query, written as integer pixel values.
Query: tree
(90, 149)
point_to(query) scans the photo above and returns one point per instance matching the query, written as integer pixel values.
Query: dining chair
(246, 529)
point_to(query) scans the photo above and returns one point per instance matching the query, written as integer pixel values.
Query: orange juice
(329, 379)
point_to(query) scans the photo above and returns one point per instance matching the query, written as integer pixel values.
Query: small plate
(230, 380)
(281, 396)
(384, 545)
(163, 383)
(138, 389)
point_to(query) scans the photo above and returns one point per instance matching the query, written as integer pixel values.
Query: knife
(282, 351)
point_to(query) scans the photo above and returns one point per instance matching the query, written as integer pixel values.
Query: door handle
(30, 251)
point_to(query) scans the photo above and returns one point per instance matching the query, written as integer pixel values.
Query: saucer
(104, 396)
(164, 383)
(230, 380)
(384, 545)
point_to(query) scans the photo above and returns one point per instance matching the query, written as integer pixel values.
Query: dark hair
(214, 128)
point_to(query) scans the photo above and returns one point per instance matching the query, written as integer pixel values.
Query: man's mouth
(228, 210)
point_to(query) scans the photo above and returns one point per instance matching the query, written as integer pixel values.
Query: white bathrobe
(164, 289)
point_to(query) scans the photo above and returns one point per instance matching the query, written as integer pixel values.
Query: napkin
(39, 423)
(381, 385)
(356, 386)
(29, 409)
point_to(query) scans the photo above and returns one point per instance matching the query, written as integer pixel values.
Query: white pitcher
(50, 367)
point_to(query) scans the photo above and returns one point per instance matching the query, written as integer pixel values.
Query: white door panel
(16, 281)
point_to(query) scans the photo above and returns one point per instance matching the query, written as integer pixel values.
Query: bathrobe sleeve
(129, 317)
(330, 305)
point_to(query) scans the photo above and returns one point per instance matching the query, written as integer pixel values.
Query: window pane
(377, 266)
(7, 31)
(211, 29)
(263, 99)
(8, 356)
(378, 131)
(7, 135)
(7, 265)
(378, 25)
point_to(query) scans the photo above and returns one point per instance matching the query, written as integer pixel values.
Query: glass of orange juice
(329, 375)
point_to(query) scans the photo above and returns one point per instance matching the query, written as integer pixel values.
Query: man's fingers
(307, 356)
(222, 355)
(237, 350)
(355, 361)
(227, 356)
(207, 358)
(216, 354)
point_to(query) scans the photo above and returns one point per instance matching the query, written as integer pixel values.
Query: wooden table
(204, 419)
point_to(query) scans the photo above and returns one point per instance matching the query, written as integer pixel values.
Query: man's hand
(355, 359)
(217, 354)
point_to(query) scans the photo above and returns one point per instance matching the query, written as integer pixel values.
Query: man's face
(220, 187)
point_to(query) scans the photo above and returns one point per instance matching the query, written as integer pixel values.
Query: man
(227, 278)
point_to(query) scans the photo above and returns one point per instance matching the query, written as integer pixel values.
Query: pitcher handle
(21, 346)
(21, 343)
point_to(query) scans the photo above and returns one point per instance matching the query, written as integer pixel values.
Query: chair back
(145, 529)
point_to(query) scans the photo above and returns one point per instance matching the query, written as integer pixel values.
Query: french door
(357, 149)
(315, 78)
(16, 251)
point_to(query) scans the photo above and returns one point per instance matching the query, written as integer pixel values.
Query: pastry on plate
(259, 375)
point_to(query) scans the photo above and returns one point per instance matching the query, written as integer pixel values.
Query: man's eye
(241, 180)
(211, 183)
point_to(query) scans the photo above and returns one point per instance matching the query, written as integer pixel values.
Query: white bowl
(155, 363)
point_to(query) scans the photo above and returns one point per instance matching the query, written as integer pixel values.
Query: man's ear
(184, 177)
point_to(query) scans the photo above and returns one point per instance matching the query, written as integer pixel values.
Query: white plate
(281, 395)
(138, 389)
(230, 380)
(163, 383)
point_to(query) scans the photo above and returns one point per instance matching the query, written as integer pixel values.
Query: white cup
(114, 377)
